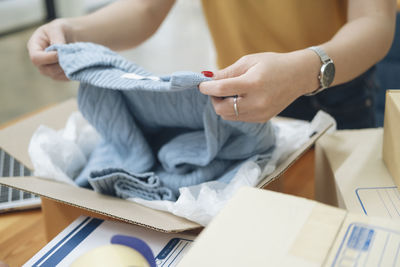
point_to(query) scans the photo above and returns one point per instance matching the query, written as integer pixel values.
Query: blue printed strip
(172, 252)
(178, 254)
(59, 243)
(167, 249)
(368, 240)
(360, 238)
(61, 250)
(170, 249)
(369, 188)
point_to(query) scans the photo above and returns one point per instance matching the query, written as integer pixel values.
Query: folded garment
(158, 125)
(126, 185)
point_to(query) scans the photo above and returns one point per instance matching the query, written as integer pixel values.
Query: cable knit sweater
(158, 133)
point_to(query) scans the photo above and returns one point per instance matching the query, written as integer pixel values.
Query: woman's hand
(120, 25)
(265, 83)
(55, 32)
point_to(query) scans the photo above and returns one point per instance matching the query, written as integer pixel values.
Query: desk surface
(22, 233)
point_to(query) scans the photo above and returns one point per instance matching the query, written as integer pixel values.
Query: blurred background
(23, 89)
(181, 43)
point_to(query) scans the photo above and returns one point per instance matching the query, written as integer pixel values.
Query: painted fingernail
(207, 73)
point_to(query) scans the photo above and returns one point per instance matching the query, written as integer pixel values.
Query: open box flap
(391, 141)
(117, 208)
(278, 230)
(352, 174)
(15, 140)
(281, 168)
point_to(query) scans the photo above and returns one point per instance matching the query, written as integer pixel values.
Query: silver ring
(235, 105)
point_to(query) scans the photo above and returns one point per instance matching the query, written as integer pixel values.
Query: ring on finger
(235, 105)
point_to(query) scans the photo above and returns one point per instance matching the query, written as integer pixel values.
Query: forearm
(121, 25)
(354, 53)
(360, 43)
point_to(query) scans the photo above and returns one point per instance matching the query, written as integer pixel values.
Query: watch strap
(324, 59)
(321, 53)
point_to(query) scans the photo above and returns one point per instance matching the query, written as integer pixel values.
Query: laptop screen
(13, 199)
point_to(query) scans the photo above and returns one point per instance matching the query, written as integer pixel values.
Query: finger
(61, 77)
(42, 58)
(51, 70)
(236, 69)
(251, 116)
(245, 118)
(36, 46)
(224, 87)
(226, 106)
(38, 41)
(248, 110)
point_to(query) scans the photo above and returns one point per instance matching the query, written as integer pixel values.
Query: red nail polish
(207, 73)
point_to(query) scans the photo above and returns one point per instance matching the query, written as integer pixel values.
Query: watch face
(327, 74)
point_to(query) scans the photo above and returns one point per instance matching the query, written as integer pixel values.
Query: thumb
(238, 68)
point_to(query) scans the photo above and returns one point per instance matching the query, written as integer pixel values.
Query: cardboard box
(391, 135)
(86, 233)
(350, 173)
(274, 229)
(63, 203)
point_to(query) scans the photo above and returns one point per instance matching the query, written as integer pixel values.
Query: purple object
(137, 244)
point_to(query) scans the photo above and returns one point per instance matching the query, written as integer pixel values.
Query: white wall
(183, 42)
(19, 13)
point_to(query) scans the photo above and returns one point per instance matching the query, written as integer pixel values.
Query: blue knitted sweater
(158, 134)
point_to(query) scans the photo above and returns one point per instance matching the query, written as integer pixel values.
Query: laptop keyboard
(11, 198)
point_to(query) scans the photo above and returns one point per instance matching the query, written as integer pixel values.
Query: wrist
(309, 68)
(327, 70)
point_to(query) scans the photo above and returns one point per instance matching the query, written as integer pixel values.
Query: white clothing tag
(135, 76)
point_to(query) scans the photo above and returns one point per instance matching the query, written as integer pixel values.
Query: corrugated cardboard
(391, 135)
(350, 173)
(15, 140)
(274, 229)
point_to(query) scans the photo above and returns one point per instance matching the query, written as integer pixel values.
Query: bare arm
(364, 39)
(267, 83)
(121, 25)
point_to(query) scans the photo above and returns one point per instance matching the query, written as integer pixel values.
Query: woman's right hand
(55, 32)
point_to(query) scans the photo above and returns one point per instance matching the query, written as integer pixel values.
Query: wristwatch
(327, 71)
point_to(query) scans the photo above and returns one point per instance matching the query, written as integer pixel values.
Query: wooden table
(22, 233)
(21, 236)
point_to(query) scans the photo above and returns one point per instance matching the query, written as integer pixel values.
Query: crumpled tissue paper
(60, 155)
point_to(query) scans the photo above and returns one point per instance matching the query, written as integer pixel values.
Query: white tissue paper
(60, 155)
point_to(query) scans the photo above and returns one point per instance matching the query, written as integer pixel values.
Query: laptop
(13, 199)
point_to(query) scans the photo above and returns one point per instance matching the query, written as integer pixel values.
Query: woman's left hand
(265, 83)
